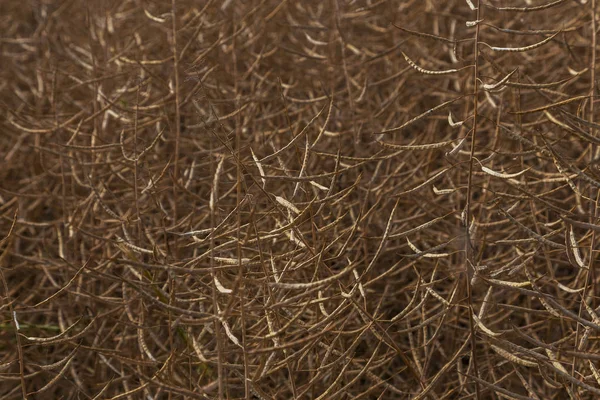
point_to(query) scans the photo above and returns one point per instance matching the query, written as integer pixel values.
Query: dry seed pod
(426, 71)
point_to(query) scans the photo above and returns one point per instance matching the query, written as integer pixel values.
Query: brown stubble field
(375, 199)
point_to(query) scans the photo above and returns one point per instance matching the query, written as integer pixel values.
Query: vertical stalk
(177, 106)
(594, 149)
(176, 172)
(590, 279)
(468, 248)
(238, 150)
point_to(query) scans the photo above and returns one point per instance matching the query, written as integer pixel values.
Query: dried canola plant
(264, 199)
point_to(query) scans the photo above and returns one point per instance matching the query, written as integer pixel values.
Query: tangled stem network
(391, 199)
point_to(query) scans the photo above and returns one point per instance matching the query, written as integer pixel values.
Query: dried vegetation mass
(376, 199)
